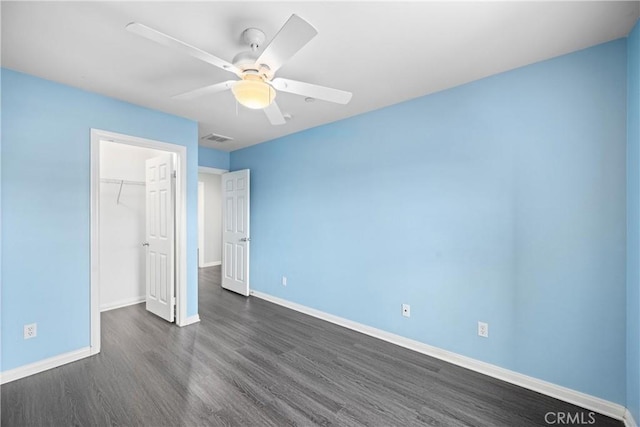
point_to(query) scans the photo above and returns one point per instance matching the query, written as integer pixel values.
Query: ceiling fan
(256, 87)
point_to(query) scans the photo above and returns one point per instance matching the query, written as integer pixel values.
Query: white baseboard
(122, 303)
(584, 400)
(211, 264)
(43, 365)
(191, 320)
(628, 419)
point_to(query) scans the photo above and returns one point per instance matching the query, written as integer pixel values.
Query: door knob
(145, 244)
(245, 239)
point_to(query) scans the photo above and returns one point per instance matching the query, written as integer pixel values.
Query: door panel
(160, 277)
(235, 235)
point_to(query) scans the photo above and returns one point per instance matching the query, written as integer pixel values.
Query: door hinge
(173, 174)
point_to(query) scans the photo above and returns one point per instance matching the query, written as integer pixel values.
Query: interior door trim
(98, 135)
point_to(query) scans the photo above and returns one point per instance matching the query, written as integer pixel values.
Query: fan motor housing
(246, 61)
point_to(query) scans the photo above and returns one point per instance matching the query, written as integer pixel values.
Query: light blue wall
(0, 213)
(212, 158)
(502, 200)
(633, 222)
(46, 208)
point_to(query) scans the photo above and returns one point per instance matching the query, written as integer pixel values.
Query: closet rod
(121, 181)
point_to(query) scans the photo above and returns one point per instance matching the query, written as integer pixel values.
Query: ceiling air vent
(218, 139)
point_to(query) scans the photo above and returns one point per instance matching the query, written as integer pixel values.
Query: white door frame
(212, 171)
(200, 224)
(181, 224)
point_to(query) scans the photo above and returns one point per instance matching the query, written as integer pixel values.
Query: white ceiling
(383, 52)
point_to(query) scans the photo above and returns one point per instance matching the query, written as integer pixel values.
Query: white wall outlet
(406, 310)
(483, 329)
(284, 280)
(30, 331)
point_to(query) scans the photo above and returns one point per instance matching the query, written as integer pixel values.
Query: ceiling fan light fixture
(253, 92)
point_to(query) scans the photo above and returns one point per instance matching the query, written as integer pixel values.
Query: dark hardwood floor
(252, 363)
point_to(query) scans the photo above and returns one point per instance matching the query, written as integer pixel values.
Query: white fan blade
(274, 114)
(207, 90)
(165, 40)
(313, 91)
(294, 34)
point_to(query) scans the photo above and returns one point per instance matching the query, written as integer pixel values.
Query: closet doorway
(138, 227)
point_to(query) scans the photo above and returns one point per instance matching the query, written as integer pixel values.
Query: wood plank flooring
(252, 363)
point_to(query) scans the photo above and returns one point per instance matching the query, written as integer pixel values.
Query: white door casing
(200, 224)
(235, 231)
(180, 153)
(160, 270)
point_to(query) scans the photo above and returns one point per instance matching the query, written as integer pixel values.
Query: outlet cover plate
(406, 310)
(30, 331)
(483, 329)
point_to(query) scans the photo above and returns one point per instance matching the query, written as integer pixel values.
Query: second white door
(160, 269)
(235, 231)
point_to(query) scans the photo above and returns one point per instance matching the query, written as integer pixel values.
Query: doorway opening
(209, 216)
(119, 181)
(233, 241)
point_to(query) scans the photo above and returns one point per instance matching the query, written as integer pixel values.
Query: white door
(160, 278)
(235, 231)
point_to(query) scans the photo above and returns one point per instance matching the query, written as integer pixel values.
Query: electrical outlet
(483, 329)
(406, 310)
(284, 280)
(30, 331)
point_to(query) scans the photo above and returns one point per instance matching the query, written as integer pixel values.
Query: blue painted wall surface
(46, 208)
(633, 222)
(212, 158)
(502, 200)
(0, 217)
